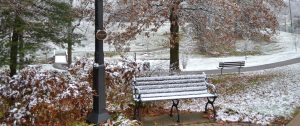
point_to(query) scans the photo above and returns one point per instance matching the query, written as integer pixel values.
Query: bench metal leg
(137, 113)
(175, 104)
(212, 104)
(221, 71)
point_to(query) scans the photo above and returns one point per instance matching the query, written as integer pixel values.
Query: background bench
(146, 89)
(238, 64)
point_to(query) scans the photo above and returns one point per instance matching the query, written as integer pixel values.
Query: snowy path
(251, 68)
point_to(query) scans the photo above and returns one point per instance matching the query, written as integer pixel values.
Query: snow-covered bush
(50, 97)
(47, 98)
(119, 76)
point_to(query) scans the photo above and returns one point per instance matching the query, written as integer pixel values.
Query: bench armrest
(135, 90)
(136, 93)
(211, 88)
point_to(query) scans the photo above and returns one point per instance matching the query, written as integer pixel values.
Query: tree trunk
(290, 8)
(14, 44)
(70, 43)
(69, 39)
(237, 33)
(21, 52)
(174, 39)
(14, 53)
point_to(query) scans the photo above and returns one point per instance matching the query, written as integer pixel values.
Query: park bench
(238, 64)
(175, 88)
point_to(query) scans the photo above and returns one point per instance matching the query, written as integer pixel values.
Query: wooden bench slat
(231, 65)
(170, 78)
(173, 94)
(169, 82)
(236, 63)
(165, 90)
(178, 97)
(141, 87)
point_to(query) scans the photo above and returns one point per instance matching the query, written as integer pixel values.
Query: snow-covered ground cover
(262, 103)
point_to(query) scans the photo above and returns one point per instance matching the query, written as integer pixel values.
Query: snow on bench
(173, 88)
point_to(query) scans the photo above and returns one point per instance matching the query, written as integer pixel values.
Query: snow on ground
(201, 63)
(46, 67)
(284, 46)
(259, 104)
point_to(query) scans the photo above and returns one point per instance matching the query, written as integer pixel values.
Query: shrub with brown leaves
(52, 97)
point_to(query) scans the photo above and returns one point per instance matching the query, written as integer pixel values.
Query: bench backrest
(232, 64)
(151, 87)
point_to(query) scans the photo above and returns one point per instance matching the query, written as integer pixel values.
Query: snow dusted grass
(229, 84)
(274, 96)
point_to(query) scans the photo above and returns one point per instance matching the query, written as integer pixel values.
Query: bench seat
(177, 97)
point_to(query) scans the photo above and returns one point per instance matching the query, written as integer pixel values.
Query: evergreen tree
(26, 25)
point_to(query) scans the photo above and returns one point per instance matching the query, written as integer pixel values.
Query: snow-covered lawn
(262, 103)
(284, 46)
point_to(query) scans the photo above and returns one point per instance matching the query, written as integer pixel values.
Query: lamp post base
(97, 118)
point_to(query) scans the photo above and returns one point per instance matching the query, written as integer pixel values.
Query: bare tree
(80, 12)
(213, 20)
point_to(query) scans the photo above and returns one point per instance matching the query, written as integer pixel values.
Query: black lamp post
(99, 113)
